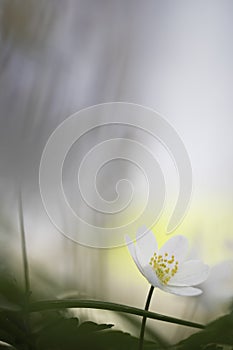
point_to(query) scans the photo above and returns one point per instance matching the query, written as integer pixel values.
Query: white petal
(147, 269)
(177, 245)
(151, 276)
(182, 291)
(190, 273)
(131, 247)
(146, 242)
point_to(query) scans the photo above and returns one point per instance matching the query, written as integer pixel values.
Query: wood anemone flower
(166, 268)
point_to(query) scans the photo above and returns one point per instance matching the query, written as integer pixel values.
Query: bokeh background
(175, 56)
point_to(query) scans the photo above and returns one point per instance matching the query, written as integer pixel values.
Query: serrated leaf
(90, 326)
(67, 335)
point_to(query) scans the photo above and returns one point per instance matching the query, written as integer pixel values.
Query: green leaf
(90, 326)
(67, 334)
(215, 335)
(60, 334)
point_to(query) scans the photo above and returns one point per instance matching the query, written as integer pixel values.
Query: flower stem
(144, 318)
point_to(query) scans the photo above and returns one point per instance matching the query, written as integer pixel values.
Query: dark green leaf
(215, 335)
(89, 326)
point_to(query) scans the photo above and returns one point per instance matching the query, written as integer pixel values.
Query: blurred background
(175, 56)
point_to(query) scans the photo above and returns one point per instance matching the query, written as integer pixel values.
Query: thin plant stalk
(45, 305)
(24, 249)
(148, 300)
(26, 271)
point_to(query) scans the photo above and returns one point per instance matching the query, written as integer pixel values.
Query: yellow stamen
(160, 264)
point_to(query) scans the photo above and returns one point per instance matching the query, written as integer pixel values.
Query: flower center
(164, 266)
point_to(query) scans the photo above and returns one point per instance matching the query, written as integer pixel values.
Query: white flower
(166, 267)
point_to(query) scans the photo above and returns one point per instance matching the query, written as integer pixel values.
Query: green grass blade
(102, 305)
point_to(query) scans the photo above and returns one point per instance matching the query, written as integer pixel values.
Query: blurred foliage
(60, 330)
(52, 329)
(27, 23)
(217, 335)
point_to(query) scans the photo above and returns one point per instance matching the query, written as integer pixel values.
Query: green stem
(26, 270)
(102, 305)
(148, 300)
(24, 249)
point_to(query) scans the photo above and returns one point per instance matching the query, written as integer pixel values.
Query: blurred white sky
(173, 56)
